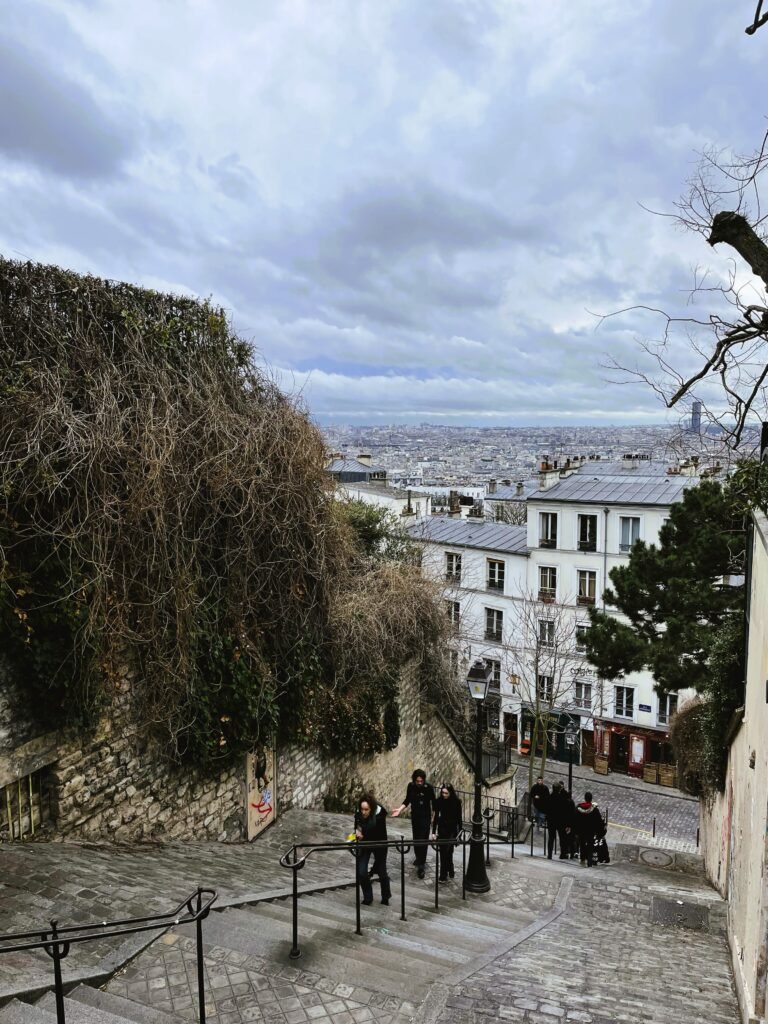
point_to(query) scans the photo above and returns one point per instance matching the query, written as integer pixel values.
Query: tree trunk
(736, 231)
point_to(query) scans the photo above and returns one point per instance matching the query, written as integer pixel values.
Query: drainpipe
(606, 513)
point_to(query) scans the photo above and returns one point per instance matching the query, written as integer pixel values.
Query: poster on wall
(260, 771)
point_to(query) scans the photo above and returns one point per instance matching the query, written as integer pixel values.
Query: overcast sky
(412, 208)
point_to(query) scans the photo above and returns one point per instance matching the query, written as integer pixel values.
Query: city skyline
(411, 211)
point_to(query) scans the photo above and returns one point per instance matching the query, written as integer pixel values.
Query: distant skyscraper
(696, 418)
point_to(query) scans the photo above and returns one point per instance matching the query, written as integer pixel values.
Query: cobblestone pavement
(615, 951)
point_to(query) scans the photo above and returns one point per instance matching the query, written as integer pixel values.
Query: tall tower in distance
(696, 418)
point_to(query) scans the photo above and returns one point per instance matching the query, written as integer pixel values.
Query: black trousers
(445, 856)
(562, 840)
(420, 841)
(380, 867)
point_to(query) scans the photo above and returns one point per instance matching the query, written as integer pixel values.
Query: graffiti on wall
(260, 771)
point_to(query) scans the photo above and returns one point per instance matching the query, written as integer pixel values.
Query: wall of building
(735, 824)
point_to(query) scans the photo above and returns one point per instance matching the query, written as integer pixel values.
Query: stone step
(119, 1006)
(81, 1013)
(477, 927)
(16, 1012)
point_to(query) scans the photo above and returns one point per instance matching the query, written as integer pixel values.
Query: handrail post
(401, 847)
(200, 964)
(463, 864)
(488, 815)
(358, 929)
(545, 830)
(295, 951)
(533, 826)
(436, 848)
(514, 830)
(57, 980)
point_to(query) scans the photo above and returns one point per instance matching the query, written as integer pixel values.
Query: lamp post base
(476, 878)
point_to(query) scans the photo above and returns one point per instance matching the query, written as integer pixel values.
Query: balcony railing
(495, 584)
(494, 635)
(628, 713)
(624, 548)
(453, 577)
(547, 596)
(548, 542)
(587, 545)
(585, 599)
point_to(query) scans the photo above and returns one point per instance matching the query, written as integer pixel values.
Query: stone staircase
(389, 969)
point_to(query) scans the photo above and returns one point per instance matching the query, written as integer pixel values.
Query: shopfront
(628, 747)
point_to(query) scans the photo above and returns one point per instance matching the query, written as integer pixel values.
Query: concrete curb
(434, 1003)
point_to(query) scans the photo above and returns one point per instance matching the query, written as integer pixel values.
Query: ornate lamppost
(476, 878)
(570, 740)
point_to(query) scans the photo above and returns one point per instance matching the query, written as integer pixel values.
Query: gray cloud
(52, 122)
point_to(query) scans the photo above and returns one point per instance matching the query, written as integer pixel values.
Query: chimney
(491, 486)
(365, 459)
(519, 488)
(454, 506)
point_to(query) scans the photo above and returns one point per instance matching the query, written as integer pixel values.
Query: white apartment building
(518, 597)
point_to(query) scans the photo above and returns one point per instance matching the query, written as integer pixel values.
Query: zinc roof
(617, 489)
(471, 533)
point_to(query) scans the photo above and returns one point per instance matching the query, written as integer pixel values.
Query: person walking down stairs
(420, 797)
(371, 826)
(446, 824)
(589, 824)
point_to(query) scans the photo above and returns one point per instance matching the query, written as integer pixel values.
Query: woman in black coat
(446, 824)
(371, 826)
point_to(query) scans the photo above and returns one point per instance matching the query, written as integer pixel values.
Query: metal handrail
(294, 860)
(56, 942)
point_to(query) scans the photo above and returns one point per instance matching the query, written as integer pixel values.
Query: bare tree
(511, 513)
(543, 659)
(725, 203)
(758, 20)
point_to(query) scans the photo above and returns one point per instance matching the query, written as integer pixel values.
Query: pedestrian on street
(559, 814)
(420, 797)
(539, 799)
(589, 824)
(446, 824)
(371, 826)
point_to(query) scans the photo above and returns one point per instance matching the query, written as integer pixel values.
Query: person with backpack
(589, 826)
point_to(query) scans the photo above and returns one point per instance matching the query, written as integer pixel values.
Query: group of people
(578, 827)
(433, 816)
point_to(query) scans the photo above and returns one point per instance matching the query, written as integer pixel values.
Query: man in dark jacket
(420, 797)
(539, 800)
(560, 812)
(589, 823)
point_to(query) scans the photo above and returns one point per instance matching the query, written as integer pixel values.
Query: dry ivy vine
(164, 505)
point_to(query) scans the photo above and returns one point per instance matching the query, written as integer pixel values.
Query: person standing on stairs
(370, 827)
(446, 824)
(589, 823)
(420, 797)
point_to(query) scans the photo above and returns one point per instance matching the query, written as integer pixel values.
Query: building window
(587, 586)
(546, 633)
(452, 567)
(544, 688)
(583, 692)
(582, 629)
(587, 540)
(667, 707)
(514, 681)
(624, 701)
(547, 583)
(453, 610)
(495, 667)
(495, 574)
(629, 532)
(453, 663)
(494, 622)
(547, 529)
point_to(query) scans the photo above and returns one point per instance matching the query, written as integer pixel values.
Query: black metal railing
(57, 941)
(297, 856)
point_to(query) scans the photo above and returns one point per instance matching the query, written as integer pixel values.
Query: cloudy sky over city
(412, 208)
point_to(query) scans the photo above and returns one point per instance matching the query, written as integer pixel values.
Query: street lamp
(570, 739)
(476, 878)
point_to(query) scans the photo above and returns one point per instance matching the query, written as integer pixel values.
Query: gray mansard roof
(623, 488)
(471, 533)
